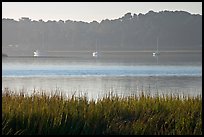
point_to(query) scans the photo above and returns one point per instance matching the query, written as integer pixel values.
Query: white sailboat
(156, 53)
(42, 52)
(36, 53)
(95, 53)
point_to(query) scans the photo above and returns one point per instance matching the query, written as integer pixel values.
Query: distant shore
(138, 57)
(61, 52)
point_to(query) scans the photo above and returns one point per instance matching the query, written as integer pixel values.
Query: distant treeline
(175, 30)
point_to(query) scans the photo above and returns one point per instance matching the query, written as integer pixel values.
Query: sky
(90, 11)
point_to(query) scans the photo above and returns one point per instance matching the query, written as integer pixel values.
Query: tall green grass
(140, 115)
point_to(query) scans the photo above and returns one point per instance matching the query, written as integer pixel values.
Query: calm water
(97, 77)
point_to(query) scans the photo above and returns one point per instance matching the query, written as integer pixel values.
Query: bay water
(96, 77)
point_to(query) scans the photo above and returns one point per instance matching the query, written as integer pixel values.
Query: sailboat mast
(43, 41)
(96, 45)
(157, 44)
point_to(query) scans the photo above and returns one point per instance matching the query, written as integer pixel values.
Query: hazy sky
(89, 11)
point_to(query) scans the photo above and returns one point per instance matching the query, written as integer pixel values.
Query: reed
(39, 114)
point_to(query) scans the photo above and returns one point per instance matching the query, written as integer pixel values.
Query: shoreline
(98, 86)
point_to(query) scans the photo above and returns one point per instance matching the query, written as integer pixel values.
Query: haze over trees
(176, 30)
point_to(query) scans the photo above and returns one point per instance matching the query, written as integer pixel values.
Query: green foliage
(140, 115)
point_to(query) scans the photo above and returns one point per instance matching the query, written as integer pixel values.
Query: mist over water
(83, 70)
(97, 77)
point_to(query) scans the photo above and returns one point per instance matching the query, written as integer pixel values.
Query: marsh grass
(54, 114)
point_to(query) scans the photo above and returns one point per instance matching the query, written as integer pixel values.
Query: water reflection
(99, 86)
